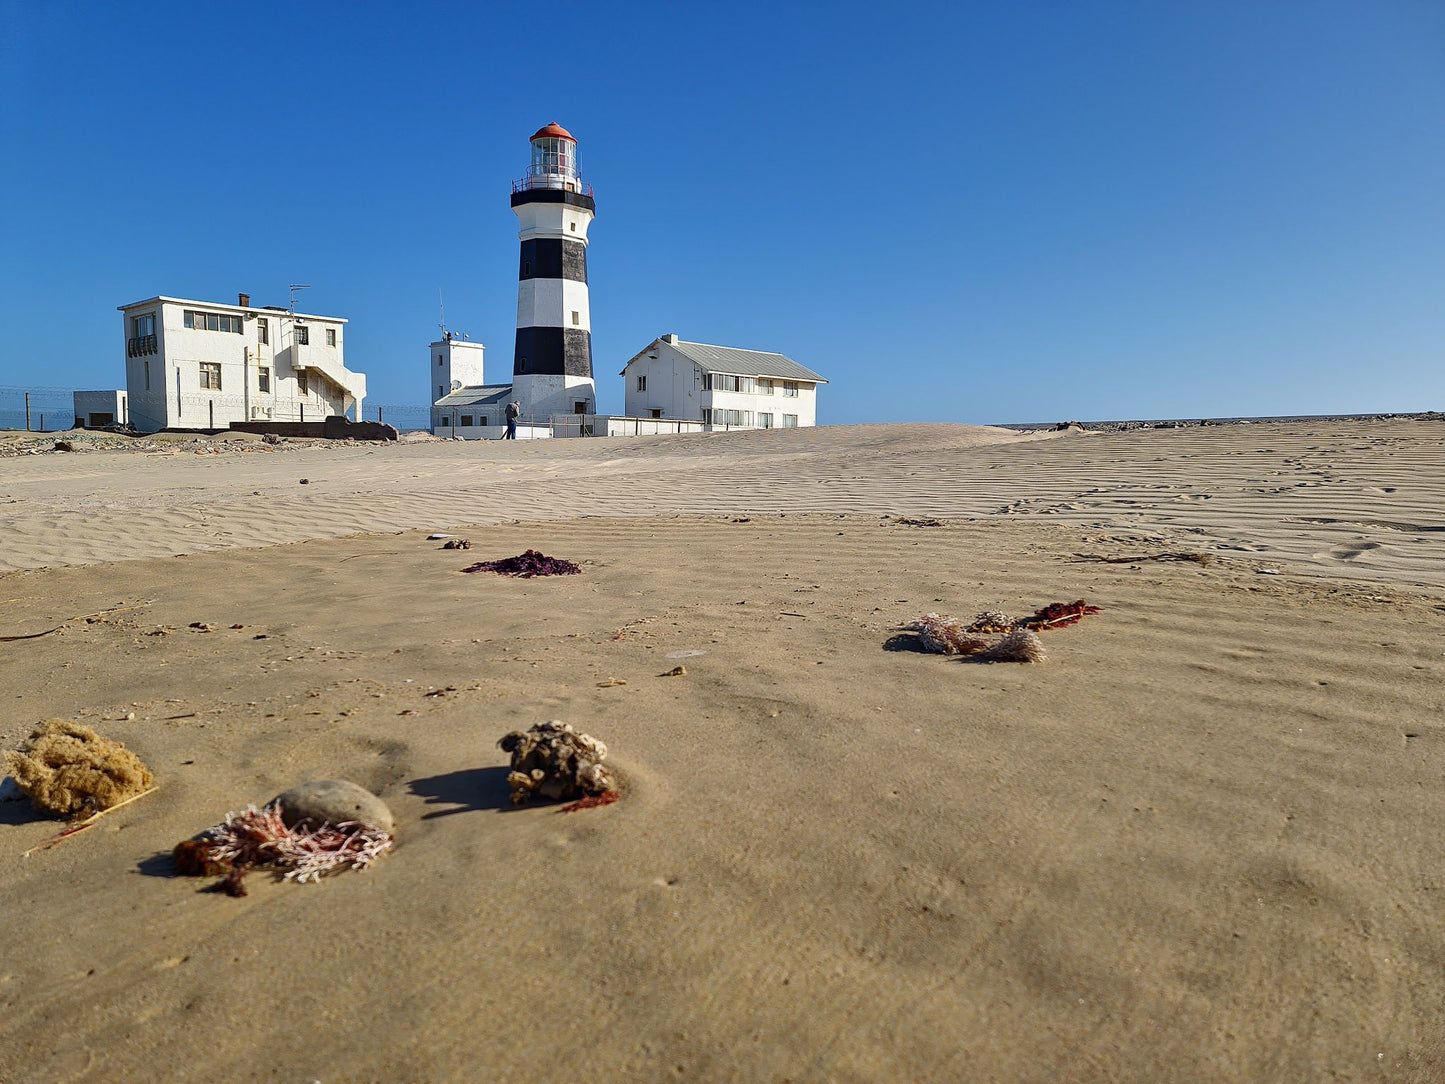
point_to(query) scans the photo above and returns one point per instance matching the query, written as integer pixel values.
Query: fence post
(303, 413)
(42, 423)
(378, 415)
(27, 412)
(212, 413)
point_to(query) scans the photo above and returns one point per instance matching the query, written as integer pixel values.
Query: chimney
(669, 338)
(244, 300)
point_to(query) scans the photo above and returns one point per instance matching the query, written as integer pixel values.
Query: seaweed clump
(69, 770)
(527, 565)
(554, 761)
(261, 838)
(1019, 640)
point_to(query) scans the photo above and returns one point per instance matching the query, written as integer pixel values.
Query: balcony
(140, 345)
(551, 181)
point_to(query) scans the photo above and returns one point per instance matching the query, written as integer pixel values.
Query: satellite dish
(456, 385)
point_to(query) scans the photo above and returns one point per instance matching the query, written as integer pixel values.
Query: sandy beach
(1199, 842)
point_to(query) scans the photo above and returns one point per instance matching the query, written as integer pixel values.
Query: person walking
(513, 410)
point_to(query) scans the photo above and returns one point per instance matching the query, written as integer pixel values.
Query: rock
(64, 446)
(306, 481)
(333, 801)
(676, 671)
(10, 791)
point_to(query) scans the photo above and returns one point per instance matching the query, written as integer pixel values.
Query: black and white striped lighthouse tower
(552, 365)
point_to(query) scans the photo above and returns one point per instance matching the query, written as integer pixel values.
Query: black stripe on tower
(554, 195)
(553, 258)
(555, 351)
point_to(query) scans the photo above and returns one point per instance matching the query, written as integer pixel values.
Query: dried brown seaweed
(943, 635)
(69, 770)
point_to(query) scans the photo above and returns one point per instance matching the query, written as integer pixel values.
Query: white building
(203, 365)
(721, 386)
(98, 409)
(552, 356)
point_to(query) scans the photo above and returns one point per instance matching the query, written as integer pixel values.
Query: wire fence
(49, 410)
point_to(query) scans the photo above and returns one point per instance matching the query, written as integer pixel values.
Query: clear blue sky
(956, 212)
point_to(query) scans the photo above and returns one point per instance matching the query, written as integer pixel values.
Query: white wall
(114, 403)
(458, 361)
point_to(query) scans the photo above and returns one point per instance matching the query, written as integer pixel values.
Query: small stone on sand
(333, 801)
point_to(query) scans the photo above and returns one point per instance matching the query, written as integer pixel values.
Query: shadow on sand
(467, 790)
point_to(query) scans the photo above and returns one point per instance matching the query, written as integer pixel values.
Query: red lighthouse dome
(554, 131)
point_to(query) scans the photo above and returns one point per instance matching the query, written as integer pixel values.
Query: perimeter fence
(49, 410)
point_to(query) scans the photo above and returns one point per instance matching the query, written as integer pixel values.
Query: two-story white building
(721, 386)
(203, 365)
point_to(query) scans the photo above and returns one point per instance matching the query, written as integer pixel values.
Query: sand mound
(68, 769)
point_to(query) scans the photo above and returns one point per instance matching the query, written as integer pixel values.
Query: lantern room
(554, 160)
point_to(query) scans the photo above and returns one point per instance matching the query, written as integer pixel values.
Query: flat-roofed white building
(203, 365)
(99, 409)
(723, 387)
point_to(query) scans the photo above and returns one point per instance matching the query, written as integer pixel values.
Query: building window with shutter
(331, 336)
(263, 379)
(210, 376)
(263, 330)
(642, 383)
(303, 335)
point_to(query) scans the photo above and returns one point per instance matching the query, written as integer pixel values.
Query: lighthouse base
(545, 394)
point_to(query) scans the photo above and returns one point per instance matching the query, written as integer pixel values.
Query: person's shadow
(464, 791)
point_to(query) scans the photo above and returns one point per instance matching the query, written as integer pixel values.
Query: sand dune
(1357, 500)
(1197, 843)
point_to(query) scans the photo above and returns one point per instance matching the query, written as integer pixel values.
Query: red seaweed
(592, 801)
(527, 565)
(1058, 615)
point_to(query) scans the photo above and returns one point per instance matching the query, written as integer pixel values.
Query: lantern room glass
(552, 157)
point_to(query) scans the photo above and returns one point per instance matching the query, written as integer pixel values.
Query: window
(441, 390)
(572, 226)
(727, 382)
(263, 379)
(444, 420)
(765, 387)
(482, 420)
(706, 415)
(210, 376)
(657, 412)
(790, 388)
(439, 361)
(331, 336)
(576, 317)
(303, 335)
(790, 421)
(526, 269)
(263, 330)
(212, 321)
(301, 382)
(765, 421)
(642, 383)
(521, 365)
(466, 419)
(142, 338)
(732, 418)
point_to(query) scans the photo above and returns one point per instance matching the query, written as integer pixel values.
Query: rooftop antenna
(293, 288)
(442, 306)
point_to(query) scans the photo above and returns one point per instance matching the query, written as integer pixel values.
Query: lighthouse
(552, 363)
